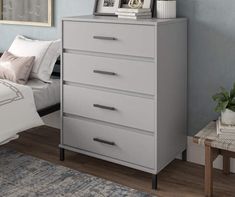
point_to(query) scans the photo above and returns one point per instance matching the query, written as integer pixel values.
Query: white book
(132, 10)
(224, 134)
(135, 17)
(227, 136)
(134, 14)
(222, 128)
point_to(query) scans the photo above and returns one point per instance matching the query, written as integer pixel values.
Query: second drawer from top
(128, 75)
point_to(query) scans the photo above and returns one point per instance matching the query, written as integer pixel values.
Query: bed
(18, 104)
(29, 87)
(47, 95)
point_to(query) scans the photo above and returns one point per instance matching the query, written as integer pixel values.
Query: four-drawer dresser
(124, 90)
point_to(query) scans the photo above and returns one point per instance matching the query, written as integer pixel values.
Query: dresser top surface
(113, 19)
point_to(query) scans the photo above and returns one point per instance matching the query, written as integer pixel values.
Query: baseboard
(196, 154)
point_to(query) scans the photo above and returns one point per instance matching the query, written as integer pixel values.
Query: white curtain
(25, 10)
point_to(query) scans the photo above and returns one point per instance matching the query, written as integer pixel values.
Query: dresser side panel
(171, 92)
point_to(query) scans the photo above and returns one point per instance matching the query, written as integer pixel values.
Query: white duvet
(17, 110)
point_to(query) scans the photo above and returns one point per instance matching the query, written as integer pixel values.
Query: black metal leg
(61, 154)
(154, 181)
(184, 155)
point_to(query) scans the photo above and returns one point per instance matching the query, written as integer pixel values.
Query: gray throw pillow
(16, 69)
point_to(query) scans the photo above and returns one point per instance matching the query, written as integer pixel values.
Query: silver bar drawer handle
(104, 107)
(104, 38)
(104, 141)
(104, 72)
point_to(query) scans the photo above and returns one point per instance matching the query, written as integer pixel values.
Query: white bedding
(45, 94)
(17, 110)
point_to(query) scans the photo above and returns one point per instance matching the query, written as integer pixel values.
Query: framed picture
(146, 3)
(26, 12)
(106, 7)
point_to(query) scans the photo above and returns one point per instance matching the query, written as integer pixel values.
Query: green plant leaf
(221, 106)
(219, 97)
(232, 92)
(225, 99)
(232, 107)
(225, 93)
(232, 102)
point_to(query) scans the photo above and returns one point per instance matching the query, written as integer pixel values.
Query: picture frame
(147, 4)
(106, 7)
(43, 16)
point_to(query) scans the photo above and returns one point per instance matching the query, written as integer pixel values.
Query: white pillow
(45, 53)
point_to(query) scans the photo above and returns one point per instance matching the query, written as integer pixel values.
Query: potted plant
(166, 8)
(226, 105)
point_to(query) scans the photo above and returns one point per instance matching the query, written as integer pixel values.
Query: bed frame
(56, 107)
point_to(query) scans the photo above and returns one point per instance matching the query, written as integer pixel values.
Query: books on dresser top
(135, 14)
(132, 10)
(130, 13)
(225, 131)
(134, 17)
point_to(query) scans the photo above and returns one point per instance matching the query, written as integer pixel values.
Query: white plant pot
(228, 117)
(166, 9)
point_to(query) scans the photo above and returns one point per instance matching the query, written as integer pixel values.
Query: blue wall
(62, 8)
(211, 55)
(211, 48)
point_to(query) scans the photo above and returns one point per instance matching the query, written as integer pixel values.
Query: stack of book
(225, 131)
(130, 13)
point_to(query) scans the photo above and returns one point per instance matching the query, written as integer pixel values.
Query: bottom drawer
(109, 141)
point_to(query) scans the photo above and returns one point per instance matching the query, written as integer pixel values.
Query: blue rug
(25, 176)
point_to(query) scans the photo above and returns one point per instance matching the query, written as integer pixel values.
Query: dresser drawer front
(110, 107)
(109, 141)
(133, 40)
(135, 76)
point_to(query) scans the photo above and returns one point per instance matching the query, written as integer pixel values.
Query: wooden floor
(179, 179)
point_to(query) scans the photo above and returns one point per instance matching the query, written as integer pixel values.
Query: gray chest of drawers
(124, 90)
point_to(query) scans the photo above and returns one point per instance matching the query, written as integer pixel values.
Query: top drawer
(133, 40)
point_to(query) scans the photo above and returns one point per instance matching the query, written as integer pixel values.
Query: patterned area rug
(25, 176)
